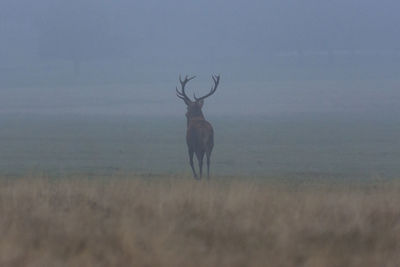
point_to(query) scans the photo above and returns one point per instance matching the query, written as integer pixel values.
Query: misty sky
(121, 56)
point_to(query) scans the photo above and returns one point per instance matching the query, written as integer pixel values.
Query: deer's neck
(194, 117)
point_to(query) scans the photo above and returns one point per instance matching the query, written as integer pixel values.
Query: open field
(304, 146)
(81, 190)
(131, 220)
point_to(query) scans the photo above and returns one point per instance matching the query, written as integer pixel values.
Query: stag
(199, 133)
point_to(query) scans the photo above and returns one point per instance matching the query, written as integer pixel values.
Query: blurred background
(308, 88)
(125, 56)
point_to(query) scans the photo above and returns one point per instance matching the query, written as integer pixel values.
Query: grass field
(81, 190)
(133, 220)
(300, 146)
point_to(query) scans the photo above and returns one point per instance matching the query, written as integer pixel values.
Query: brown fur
(200, 141)
(200, 133)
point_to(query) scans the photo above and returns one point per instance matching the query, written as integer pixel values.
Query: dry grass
(134, 221)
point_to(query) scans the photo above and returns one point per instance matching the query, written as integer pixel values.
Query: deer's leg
(200, 156)
(191, 153)
(208, 155)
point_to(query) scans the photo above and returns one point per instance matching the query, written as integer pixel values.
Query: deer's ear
(201, 103)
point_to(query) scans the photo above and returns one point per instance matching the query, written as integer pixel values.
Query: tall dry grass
(138, 221)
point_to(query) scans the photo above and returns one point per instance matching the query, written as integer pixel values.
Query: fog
(124, 57)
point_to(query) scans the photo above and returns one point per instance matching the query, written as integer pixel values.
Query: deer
(199, 132)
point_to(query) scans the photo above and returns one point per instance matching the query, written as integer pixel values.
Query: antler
(181, 94)
(213, 88)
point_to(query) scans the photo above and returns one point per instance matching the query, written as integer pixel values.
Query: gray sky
(120, 56)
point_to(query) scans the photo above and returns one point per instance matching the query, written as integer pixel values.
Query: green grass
(281, 146)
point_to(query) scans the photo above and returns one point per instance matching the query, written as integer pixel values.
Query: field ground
(81, 190)
(320, 146)
(136, 220)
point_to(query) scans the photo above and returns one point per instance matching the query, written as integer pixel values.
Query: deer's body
(199, 133)
(200, 141)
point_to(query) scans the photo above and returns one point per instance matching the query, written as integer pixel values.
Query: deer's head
(194, 107)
